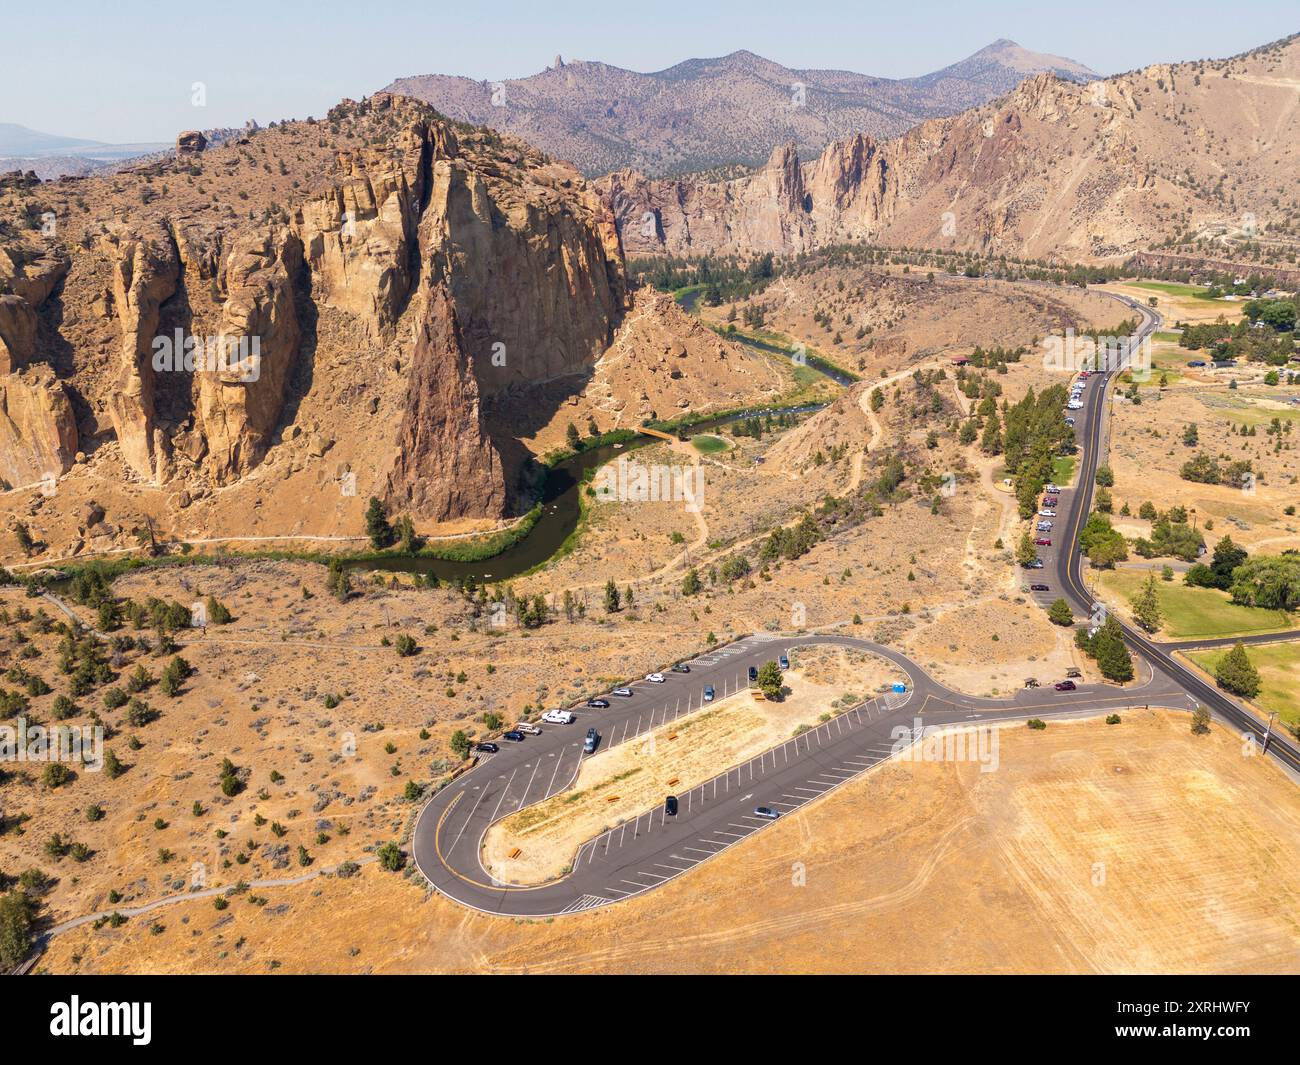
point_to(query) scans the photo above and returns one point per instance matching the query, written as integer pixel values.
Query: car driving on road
(783, 662)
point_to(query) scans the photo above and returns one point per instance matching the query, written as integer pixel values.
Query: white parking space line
(530, 782)
(504, 792)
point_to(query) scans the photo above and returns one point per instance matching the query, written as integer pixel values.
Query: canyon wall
(416, 263)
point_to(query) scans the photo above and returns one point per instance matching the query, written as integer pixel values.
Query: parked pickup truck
(558, 717)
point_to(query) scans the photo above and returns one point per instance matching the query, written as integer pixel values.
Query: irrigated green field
(1193, 612)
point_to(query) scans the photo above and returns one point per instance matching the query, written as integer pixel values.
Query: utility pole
(1268, 731)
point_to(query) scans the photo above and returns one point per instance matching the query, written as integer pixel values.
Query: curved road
(639, 854)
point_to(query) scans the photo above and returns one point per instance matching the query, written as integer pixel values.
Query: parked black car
(486, 748)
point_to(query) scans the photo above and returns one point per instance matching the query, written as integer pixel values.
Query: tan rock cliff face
(536, 274)
(38, 431)
(17, 333)
(389, 269)
(447, 466)
(239, 405)
(27, 277)
(144, 271)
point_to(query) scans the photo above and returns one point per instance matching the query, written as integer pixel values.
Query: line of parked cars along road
(592, 739)
(1046, 514)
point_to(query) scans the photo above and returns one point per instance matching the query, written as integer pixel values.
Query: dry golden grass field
(1126, 848)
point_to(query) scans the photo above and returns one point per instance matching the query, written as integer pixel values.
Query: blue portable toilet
(899, 686)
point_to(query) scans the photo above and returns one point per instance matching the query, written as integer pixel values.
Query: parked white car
(655, 678)
(558, 717)
(527, 729)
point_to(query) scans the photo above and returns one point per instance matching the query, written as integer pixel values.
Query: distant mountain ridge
(1052, 168)
(733, 109)
(19, 140)
(52, 156)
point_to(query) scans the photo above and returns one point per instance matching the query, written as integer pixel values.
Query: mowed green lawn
(1193, 612)
(1279, 674)
(1063, 470)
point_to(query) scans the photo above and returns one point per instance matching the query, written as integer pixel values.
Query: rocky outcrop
(387, 272)
(535, 273)
(17, 333)
(446, 465)
(764, 211)
(38, 430)
(190, 142)
(359, 237)
(27, 277)
(32, 274)
(239, 403)
(145, 269)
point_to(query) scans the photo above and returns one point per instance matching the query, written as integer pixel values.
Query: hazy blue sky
(122, 71)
